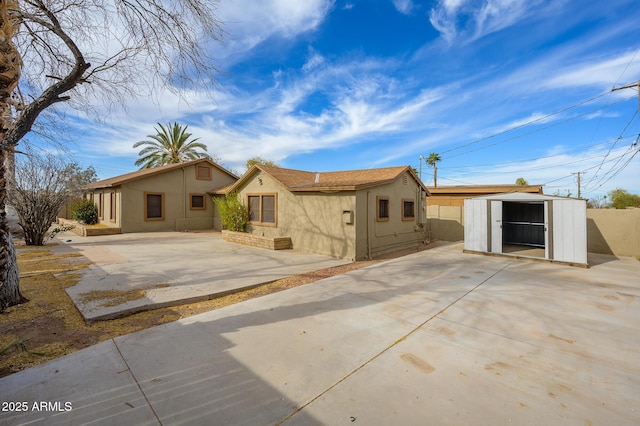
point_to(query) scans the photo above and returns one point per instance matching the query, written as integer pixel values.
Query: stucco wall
(395, 234)
(319, 222)
(176, 186)
(107, 215)
(613, 231)
(445, 222)
(313, 221)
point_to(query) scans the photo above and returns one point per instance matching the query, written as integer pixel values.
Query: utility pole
(578, 174)
(630, 86)
(421, 158)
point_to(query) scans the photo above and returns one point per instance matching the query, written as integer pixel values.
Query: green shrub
(233, 212)
(85, 211)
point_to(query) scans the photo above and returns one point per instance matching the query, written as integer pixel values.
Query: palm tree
(170, 145)
(432, 160)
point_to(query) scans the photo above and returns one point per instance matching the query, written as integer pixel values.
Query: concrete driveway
(135, 272)
(437, 337)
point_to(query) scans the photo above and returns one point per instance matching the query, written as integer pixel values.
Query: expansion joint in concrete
(137, 383)
(386, 349)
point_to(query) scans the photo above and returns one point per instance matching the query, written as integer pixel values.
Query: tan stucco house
(355, 214)
(166, 198)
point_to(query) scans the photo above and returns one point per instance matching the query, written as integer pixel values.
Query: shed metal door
(496, 226)
(548, 248)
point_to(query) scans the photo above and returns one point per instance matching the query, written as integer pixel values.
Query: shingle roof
(300, 180)
(139, 174)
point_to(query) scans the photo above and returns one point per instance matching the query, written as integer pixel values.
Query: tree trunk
(435, 176)
(10, 66)
(9, 277)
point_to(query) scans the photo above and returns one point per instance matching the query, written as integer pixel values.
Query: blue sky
(500, 89)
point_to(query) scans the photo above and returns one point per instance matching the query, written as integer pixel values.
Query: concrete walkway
(136, 272)
(438, 337)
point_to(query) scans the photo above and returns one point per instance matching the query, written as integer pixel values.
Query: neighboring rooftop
(455, 195)
(484, 189)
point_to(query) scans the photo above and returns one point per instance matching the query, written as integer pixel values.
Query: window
(112, 206)
(203, 172)
(408, 209)
(198, 202)
(100, 205)
(262, 209)
(154, 206)
(382, 209)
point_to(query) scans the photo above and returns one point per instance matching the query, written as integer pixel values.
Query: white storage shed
(527, 225)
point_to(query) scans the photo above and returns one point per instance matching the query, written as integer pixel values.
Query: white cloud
(249, 24)
(359, 104)
(469, 20)
(603, 73)
(403, 6)
(354, 104)
(314, 61)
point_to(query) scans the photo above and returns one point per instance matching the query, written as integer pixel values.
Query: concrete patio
(137, 272)
(437, 337)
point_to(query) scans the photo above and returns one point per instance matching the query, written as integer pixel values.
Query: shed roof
(143, 173)
(347, 180)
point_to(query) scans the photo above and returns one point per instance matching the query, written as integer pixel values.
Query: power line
(632, 149)
(525, 124)
(584, 170)
(524, 159)
(556, 123)
(550, 166)
(620, 137)
(628, 86)
(540, 119)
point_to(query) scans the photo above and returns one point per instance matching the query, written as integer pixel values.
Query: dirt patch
(49, 325)
(111, 297)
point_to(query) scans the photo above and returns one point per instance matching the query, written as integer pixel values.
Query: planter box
(89, 230)
(246, 239)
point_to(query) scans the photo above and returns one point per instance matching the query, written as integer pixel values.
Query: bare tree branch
(139, 48)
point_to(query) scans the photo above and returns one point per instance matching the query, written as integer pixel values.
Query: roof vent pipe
(317, 178)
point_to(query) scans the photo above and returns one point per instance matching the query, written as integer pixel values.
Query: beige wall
(318, 222)
(447, 200)
(613, 231)
(445, 222)
(177, 186)
(376, 237)
(111, 197)
(313, 221)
